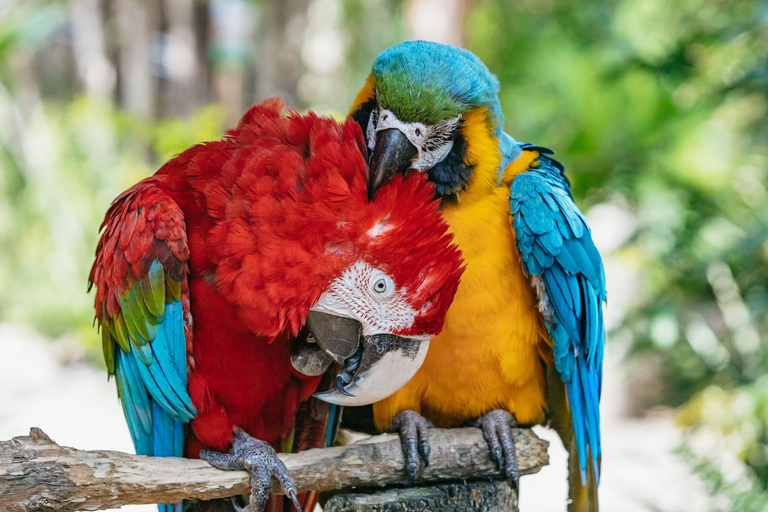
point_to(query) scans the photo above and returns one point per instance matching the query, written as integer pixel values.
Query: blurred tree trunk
(231, 49)
(182, 64)
(279, 64)
(95, 72)
(201, 26)
(138, 24)
(436, 20)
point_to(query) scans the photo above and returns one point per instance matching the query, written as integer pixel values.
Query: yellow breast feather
(487, 356)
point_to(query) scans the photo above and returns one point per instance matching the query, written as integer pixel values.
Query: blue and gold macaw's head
(415, 110)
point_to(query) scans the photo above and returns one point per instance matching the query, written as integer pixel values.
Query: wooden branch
(38, 474)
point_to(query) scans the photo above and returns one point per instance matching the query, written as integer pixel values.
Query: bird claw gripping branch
(497, 429)
(414, 438)
(261, 462)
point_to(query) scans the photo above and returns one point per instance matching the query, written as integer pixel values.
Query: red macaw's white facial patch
(370, 296)
(383, 361)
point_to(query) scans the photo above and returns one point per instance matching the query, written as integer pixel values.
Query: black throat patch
(452, 174)
(363, 114)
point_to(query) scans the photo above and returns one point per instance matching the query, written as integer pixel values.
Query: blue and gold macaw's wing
(142, 302)
(566, 270)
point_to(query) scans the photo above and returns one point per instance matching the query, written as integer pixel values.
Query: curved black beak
(392, 155)
(331, 338)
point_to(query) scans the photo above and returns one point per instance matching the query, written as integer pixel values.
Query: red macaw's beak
(373, 367)
(392, 155)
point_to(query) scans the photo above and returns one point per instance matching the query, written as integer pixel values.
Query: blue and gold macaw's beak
(392, 155)
(372, 367)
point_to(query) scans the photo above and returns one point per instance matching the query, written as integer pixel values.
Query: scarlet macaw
(207, 272)
(534, 287)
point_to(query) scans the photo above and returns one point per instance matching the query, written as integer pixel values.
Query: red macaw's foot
(261, 461)
(414, 438)
(497, 429)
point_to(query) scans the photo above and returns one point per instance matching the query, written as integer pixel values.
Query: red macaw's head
(302, 244)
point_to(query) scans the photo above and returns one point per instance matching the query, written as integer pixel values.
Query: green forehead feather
(410, 101)
(430, 82)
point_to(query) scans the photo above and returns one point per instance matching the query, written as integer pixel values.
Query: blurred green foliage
(61, 164)
(661, 108)
(70, 161)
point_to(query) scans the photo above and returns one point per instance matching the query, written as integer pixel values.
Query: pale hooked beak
(373, 367)
(383, 364)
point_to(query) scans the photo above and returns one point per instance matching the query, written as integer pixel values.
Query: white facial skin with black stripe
(432, 142)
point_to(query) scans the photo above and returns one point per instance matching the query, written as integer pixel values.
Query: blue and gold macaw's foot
(261, 461)
(497, 429)
(414, 438)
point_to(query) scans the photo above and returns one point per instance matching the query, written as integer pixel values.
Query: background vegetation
(658, 109)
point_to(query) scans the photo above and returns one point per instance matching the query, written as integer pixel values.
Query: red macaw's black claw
(343, 379)
(261, 462)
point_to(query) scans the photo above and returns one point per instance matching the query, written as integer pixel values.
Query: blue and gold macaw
(523, 340)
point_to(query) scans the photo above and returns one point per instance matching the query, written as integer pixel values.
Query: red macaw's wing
(142, 302)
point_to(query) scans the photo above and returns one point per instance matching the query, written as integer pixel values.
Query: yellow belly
(489, 355)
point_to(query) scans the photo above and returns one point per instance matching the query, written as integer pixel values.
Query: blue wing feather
(555, 244)
(152, 383)
(154, 396)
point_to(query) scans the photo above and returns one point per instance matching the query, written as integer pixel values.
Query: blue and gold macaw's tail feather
(566, 270)
(581, 498)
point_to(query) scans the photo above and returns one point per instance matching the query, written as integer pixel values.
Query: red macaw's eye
(382, 286)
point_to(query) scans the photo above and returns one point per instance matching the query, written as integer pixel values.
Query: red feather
(255, 227)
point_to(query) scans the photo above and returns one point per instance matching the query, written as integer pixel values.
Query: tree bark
(38, 474)
(478, 496)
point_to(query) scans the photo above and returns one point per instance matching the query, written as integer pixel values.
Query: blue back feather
(556, 245)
